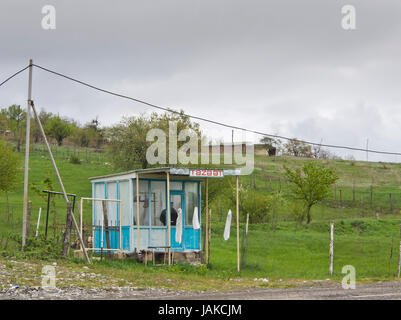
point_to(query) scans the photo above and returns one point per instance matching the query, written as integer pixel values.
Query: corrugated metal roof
(171, 170)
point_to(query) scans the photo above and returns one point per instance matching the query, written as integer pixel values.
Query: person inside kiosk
(174, 215)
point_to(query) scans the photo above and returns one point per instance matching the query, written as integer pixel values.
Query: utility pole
(28, 130)
(232, 145)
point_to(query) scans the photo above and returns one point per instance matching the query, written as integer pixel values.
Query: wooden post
(209, 235)
(399, 256)
(106, 226)
(28, 219)
(76, 228)
(371, 196)
(119, 223)
(391, 252)
(67, 232)
(168, 217)
(244, 244)
(237, 209)
(81, 220)
(335, 194)
(331, 247)
(341, 198)
(138, 223)
(206, 222)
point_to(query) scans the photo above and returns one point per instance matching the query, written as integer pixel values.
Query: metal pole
(80, 215)
(28, 130)
(119, 221)
(37, 225)
(168, 217)
(331, 247)
(206, 221)
(138, 243)
(237, 207)
(60, 181)
(47, 214)
(73, 205)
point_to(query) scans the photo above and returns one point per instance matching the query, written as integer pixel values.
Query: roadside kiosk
(147, 200)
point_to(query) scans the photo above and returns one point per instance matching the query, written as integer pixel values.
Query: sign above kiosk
(206, 173)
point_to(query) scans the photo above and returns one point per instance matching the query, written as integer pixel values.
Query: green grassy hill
(291, 250)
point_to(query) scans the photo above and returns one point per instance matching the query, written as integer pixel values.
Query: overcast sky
(281, 67)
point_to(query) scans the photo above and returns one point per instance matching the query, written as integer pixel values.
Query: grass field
(362, 238)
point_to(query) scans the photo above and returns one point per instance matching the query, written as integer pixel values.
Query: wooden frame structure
(138, 234)
(102, 227)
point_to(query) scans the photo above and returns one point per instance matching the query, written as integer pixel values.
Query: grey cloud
(278, 66)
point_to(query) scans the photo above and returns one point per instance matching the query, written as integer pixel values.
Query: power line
(15, 74)
(211, 121)
(200, 118)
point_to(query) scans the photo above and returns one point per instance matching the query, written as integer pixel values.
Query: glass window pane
(175, 203)
(99, 193)
(123, 189)
(111, 189)
(143, 203)
(175, 185)
(191, 201)
(158, 204)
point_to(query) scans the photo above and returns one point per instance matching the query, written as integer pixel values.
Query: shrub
(74, 160)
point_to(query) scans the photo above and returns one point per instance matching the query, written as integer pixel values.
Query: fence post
(37, 225)
(209, 235)
(28, 219)
(341, 198)
(399, 256)
(106, 226)
(371, 196)
(67, 233)
(244, 244)
(331, 247)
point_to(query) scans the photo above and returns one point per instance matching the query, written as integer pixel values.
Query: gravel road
(326, 291)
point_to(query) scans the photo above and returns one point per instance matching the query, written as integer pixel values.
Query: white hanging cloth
(228, 226)
(178, 226)
(195, 219)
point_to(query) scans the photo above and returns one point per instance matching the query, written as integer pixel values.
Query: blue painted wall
(151, 235)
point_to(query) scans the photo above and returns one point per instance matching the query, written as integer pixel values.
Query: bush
(258, 206)
(74, 160)
(298, 212)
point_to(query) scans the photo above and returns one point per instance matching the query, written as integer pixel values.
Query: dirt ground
(376, 291)
(19, 280)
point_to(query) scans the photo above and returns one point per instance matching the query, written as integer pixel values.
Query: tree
(16, 118)
(311, 184)
(35, 130)
(8, 170)
(298, 148)
(58, 129)
(128, 143)
(127, 140)
(270, 145)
